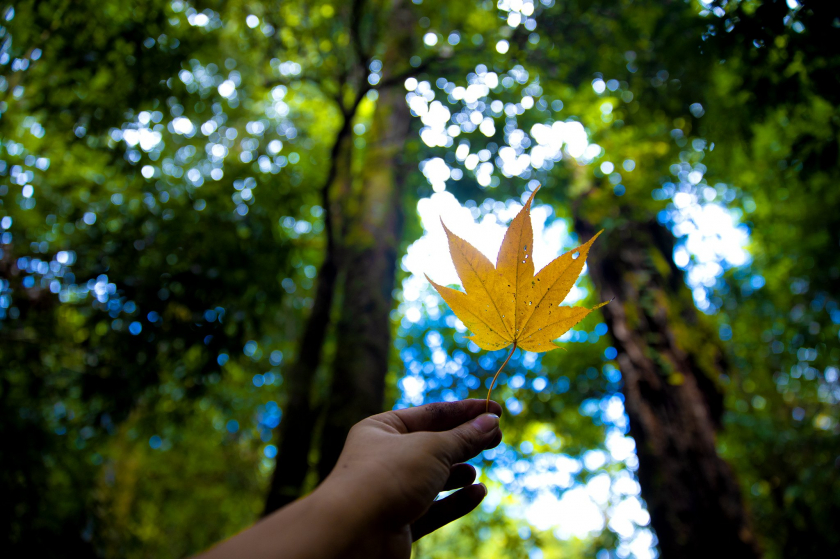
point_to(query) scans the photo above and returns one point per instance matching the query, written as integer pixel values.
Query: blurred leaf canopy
(162, 224)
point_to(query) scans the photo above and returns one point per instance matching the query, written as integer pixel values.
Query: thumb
(467, 440)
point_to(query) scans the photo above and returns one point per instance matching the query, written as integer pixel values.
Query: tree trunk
(364, 230)
(371, 248)
(669, 360)
(297, 428)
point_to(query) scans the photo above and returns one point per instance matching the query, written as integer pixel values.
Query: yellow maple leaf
(507, 303)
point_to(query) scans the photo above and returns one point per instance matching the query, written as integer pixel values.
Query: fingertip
(495, 441)
(469, 439)
(470, 479)
(451, 507)
(467, 468)
(475, 494)
(495, 407)
(460, 475)
(486, 423)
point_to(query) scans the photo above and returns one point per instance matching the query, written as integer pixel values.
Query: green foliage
(159, 168)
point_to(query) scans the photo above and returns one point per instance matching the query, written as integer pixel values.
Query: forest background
(215, 217)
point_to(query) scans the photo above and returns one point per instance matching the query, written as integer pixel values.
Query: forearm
(331, 522)
(381, 494)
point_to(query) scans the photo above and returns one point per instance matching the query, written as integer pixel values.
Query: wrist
(322, 525)
(355, 519)
(348, 498)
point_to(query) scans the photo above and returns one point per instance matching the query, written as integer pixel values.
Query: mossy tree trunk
(372, 242)
(296, 431)
(364, 200)
(670, 362)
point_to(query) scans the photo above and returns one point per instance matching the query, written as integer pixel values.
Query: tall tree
(364, 204)
(670, 361)
(367, 191)
(371, 248)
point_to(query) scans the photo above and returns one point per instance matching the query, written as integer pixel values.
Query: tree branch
(356, 14)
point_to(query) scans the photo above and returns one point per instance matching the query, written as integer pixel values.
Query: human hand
(380, 496)
(394, 465)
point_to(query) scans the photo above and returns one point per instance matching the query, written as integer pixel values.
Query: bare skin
(381, 495)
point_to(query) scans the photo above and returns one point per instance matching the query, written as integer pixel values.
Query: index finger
(440, 416)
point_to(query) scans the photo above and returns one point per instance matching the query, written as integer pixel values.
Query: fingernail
(486, 422)
(484, 487)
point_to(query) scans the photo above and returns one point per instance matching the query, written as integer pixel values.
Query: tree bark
(670, 361)
(364, 230)
(370, 252)
(297, 428)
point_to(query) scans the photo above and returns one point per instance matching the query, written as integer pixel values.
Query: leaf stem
(487, 407)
